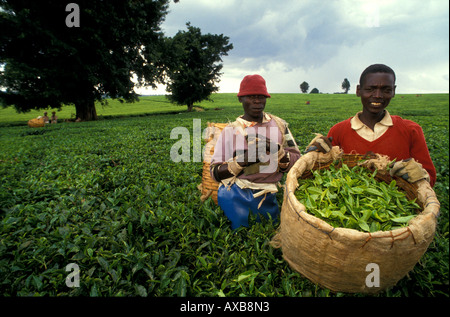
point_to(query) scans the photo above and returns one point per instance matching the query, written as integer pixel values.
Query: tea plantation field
(106, 196)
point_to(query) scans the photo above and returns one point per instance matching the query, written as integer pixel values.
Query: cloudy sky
(324, 41)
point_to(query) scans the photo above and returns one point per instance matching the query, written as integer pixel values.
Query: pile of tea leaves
(353, 198)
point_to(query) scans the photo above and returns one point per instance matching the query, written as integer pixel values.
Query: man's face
(376, 92)
(253, 106)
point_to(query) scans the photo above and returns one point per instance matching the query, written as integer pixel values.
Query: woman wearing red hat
(250, 157)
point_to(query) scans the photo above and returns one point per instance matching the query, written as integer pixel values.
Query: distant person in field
(250, 157)
(374, 129)
(45, 117)
(54, 117)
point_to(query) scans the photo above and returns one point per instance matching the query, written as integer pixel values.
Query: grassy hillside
(319, 104)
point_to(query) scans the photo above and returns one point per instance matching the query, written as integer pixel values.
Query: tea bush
(106, 196)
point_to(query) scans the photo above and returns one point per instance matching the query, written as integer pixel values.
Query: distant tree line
(53, 53)
(304, 87)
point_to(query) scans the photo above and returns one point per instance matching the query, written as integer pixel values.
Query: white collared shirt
(367, 133)
(247, 124)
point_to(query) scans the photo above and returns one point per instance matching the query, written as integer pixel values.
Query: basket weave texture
(209, 186)
(339, 258)
(36, 123)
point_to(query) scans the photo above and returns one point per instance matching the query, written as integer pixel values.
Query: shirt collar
(247, 124)
(357, 124)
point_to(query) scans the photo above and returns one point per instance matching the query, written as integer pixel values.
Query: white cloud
(323, 42)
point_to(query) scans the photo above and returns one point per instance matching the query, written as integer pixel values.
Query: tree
(314, 91)
(304, 86)
(346, 85)
(50, 61)
(194, 65)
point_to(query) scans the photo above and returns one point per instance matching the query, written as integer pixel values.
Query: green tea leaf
(364, 203)
(404, 219)
(373, 191)
(363, 225)
(315, 190)
(140, 290)
(103, 263)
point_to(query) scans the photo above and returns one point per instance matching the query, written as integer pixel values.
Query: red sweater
(403, 140)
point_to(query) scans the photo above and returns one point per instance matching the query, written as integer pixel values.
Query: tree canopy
(304, 86)
(346, 85)
(193, 66)
(47, 63)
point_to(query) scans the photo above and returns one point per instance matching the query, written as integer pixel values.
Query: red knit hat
(253, 85)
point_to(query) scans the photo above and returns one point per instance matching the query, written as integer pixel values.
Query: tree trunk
(190, 107)
(86, 111)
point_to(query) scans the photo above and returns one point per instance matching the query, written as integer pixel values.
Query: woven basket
(209, 186)
(36, 123)
(342, 259)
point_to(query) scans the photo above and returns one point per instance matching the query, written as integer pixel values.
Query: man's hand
(320, 143)
(409, 170)
(264, 146)
(245, 158)
(258, 148)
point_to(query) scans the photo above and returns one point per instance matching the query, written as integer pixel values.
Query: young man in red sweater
(374, 129)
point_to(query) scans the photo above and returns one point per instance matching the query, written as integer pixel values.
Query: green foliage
(48, 64)
(345, 85)
(106, 196)
(192, 65)
(353, 198)
(304, 87)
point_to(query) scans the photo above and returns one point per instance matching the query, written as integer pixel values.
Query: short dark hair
(376, 68)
